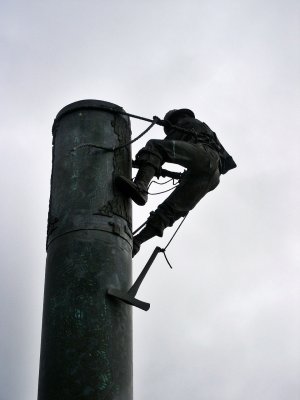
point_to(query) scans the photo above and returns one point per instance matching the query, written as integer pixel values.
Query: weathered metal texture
(86, 349)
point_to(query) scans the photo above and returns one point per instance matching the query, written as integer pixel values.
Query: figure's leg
(149, 160)
(202, 173)
(137, 190)
(201, 177)
(158, 220)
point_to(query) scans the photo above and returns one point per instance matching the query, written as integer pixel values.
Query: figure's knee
(153, 143)
(214, 181)
(150, 154)
(204, 162)
(158, 222)
(164, 216)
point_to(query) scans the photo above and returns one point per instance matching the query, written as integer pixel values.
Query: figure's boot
(137, 190)
(147, 233)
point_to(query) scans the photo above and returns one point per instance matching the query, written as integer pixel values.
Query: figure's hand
(159, 121)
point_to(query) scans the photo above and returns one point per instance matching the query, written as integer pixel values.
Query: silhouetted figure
(191, 144)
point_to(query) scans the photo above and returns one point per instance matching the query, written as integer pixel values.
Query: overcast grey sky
(224, 323)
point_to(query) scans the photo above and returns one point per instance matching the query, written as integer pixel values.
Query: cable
(80, 146)
(139, 228)
(135, 139)
(162, 183)
(164, 191)
(165, 248)
(164, 253)
(154, 121)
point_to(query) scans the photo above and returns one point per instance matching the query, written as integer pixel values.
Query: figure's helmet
(172, 116)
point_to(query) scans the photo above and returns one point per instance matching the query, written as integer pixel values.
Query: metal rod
(129, 296)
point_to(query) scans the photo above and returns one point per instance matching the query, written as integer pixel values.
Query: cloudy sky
(224, 324)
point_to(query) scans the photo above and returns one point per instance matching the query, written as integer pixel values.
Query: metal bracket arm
(129, 296)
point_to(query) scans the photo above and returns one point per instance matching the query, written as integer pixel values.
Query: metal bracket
(129, 296)
(116, 228)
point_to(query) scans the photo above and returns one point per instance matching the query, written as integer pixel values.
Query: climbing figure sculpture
(189, 143)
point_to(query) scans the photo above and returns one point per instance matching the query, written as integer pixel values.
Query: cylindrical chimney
(86, 348)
